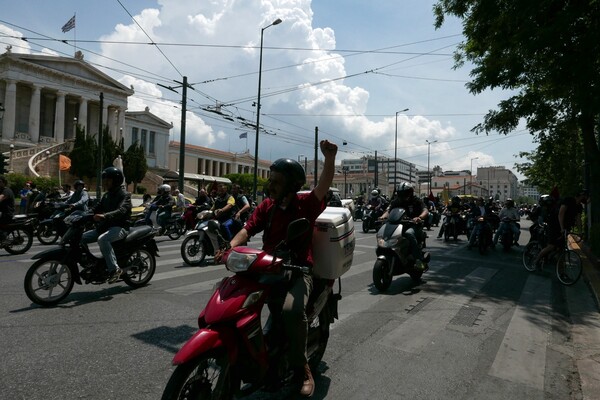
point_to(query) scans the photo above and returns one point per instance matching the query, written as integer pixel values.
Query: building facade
(150, 132)
(500, 182)
(45, 97)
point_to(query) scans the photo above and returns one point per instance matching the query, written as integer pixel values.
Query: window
(144, 139)
(151, 142)
(134, 135)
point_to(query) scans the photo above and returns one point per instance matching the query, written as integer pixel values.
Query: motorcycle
(358, 212)
(18, 235)
(231, 355)
(507, 238)
(51, 278)
(452, 225)
(202, 241)
(370, 219)
(394, 256)
(174, 226)
(484, 238)
(49, 230)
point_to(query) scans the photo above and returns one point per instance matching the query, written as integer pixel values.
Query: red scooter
(232, 354)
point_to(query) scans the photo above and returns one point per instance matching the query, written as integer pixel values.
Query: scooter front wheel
(205, 377)
(48, 281)
(382, 275)
(193, 251)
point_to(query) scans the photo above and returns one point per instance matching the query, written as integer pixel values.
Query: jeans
(507, 225)
(105, 243)
(295, 320)
(162, 218)
(411, 235)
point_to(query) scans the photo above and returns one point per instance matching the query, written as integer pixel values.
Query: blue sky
(344, 67)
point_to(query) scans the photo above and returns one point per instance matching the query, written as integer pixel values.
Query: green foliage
(84, 155)
(135, 164)
(17, 181)
(246, 181)
(546, 53)
(141, 189)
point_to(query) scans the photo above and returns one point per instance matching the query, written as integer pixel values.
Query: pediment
(146, 117)
(71, 67)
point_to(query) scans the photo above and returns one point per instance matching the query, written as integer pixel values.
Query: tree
(135, 165)
(548, 53)
(84, 155)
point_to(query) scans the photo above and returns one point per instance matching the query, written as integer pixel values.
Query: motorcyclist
(479, 210)
(454, 209)
(273, 216)
(377, 203)
(509, 215)
(112, 216)
(79, 199)
(224, 209)
(7, 205)
(431, 208)
(417, 211)
(242, 204)
(163, 205)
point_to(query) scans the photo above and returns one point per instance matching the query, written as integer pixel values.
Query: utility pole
(316, 153)
(99, 175)
(376, 178)
(182, 136)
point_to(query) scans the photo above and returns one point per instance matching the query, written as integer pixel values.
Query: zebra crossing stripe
(422, 328)
(521, 357)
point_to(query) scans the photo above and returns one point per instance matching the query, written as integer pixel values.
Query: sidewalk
(586, 327)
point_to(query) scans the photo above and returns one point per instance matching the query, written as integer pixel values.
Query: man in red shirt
(273, 216)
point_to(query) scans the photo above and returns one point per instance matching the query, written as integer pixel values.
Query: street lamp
(396, 147)
(48, 160)
(471, 171)
(262, 31)
(428, 173)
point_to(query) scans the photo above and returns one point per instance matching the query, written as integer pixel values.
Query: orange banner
(64, 163)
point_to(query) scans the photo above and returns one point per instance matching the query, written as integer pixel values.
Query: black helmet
(546, 200)
(510, 203)
(78, 182)
(405, 190)
(456, 199)
(293, 172)
(115, 174)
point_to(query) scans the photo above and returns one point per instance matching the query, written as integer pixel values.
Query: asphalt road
(479, 327)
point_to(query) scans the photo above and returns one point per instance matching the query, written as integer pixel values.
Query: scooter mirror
(297, 228)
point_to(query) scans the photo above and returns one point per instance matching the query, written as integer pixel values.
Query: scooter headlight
(239, 262)
(381, 242)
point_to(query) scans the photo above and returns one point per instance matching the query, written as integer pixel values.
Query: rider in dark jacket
(112, 216)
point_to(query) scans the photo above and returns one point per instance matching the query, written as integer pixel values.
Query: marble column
(104, 116)
(121, 123)
(83, 114)
(59, 118)
(10, 110)
(112, 123)
(34, 114)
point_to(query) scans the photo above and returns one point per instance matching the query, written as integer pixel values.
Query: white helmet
(375, 193)
(164, 188)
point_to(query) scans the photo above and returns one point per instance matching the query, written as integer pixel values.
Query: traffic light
(4, 164)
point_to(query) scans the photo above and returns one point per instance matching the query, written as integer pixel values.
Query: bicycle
(568, 262)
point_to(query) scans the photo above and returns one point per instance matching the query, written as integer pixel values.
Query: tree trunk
(592, 174)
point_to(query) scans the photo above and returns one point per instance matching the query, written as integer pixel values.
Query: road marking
(422, 328)
(521, 357)
(185, 271)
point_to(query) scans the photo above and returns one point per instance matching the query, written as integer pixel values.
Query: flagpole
(75, 31)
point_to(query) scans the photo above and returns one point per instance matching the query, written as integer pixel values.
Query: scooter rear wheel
(46, 234)
(141, 266)
(205, 377)
(382, 275)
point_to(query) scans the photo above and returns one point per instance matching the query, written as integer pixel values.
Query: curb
(591, 269)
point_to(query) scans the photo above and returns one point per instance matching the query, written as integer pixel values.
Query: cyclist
(560, 222)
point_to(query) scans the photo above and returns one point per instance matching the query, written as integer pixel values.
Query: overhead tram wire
(148, 36)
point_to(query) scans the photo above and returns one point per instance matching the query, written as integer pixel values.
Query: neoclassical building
(45, 96)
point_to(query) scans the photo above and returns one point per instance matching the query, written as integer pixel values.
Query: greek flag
(244, 135)
(69, 25)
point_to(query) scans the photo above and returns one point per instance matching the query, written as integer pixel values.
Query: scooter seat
(137, 232)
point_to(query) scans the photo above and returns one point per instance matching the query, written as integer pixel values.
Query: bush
(141, 189)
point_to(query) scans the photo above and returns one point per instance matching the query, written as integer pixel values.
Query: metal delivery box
(333, 243)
